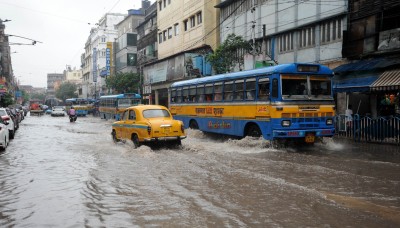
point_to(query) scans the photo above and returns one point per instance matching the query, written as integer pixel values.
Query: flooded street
(60, 174)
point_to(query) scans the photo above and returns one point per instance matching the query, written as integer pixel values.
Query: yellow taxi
(148, 124)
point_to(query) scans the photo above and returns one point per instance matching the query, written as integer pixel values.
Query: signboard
(94, 60)
(389, 39)
(108, 58)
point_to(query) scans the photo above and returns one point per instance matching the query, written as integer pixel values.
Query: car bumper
(166, 138)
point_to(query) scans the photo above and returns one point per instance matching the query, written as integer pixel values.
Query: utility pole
(253, 33)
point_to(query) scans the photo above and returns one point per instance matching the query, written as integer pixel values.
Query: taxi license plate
(310, 138)
(167, 130)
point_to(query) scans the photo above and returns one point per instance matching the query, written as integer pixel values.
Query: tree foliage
(66, 90)
(229, 54)
(124, 82)
(6, 100)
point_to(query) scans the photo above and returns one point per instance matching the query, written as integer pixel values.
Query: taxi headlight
(329, 121)
(285, 123)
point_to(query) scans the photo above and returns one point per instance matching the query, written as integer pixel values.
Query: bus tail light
(286, 123)
(149, 130)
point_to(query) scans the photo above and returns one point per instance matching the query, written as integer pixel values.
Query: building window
(169, 2)
(169, 32)
(160, 38)
(165, 35)
(199, 18)
(132, 59)
(176, 29)
(165, 3)
(185, 25)
(103, 39)
(192, 22)
(160, 5)
(131, 39)
(307, 37)
(286, 42)
(331, 31)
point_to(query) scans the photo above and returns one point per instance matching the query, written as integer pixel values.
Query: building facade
(186, 33)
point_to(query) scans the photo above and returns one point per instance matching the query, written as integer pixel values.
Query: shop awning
(353, 83)
(389, 80)
(367, 64)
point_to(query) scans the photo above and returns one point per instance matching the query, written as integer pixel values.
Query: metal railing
(367, 129)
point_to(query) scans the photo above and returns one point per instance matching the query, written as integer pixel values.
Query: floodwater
(60, 174)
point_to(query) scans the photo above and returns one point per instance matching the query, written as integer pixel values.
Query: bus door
(263, 98)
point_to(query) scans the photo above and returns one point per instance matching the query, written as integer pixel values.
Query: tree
(6, 100)
(229, 54)
(124, 82)
(66, 90)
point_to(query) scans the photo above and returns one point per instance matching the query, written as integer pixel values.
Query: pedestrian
(349, 117)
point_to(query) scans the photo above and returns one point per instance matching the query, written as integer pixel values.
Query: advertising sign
(108, 58)
(94, 60)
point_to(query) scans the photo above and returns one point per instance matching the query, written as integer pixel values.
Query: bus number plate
(310, 138)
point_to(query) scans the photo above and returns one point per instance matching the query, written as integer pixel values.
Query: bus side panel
(230, 119)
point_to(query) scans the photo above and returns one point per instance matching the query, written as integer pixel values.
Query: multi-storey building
(147, 45)
(54, 81)
(371, 43)
(289, 31)
(126, 45)
(95, 64)
(6, 72)
(186, 33)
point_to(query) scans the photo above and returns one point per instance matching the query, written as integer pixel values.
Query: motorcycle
(72, 118)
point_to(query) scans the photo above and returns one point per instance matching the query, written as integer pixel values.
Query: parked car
(4, 135)
(5, 117)
(14, 117)
(150, 125)
(58, 111)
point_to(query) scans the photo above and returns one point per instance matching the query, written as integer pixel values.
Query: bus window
(185, 93)
(192, 94)
(320, 86)
(275, 88)
(294, 85)
(200, 93)
(179, 95)
(239, 90)
(208, 92)
(228, 91)
(250, 89)
(263, 89)
(218, 91)
(173, 96)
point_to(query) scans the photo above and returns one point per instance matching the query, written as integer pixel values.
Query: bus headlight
(285, 123)
(329, 121)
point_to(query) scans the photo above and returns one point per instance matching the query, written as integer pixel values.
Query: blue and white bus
(80, 105)
(112, 106)
(284, 102)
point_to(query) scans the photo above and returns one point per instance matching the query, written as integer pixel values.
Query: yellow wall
(177, 12)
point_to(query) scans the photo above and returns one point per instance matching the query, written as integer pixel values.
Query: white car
(7, 119)
(4, 135)
(58, 111)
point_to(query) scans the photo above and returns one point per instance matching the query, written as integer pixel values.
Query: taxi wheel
(135, 140)
(114, 137)
(254, 131)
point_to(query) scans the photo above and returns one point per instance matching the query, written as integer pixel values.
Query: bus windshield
(297, 87)
(127, 102)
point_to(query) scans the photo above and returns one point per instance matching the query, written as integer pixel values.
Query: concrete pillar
(156, 97)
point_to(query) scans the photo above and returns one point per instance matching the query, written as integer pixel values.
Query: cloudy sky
(62, 27)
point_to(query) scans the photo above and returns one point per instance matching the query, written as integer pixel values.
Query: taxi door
(121, 127)
(129, 122)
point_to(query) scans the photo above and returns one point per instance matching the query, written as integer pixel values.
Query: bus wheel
(114, 137)
(253, 131)
(193, 124)
(135, 140)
